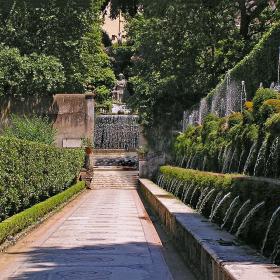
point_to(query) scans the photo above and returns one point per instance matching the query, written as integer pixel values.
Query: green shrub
(269, 107)
(33, 215)
(36, 129)
(261, 96)
(241, 187)
(273, 124)
(26, 75)
(31, 172)
(199, 178)
(235, 119)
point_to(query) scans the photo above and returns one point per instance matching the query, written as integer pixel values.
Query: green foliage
(261, 96)
(34, 74)
(242, 142)
(31, 172)
(69, 31)
(33, 215)
(198, 178)
(173, 68)
(235, 119)
(273, 124)
(244, 187)
(36, 129)
(97, 64)
(121, 55)
(268, 108)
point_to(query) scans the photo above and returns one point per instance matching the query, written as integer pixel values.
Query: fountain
(203, 110)
(240, 160)
(233, 204)
(239, 213)
(201, 197)
(226, 159)
(216, 201)
(193, 195)
(205, 200)
(243, 96)
(261, 157)
(116, 132)
(187, 193)
(272, 158)
(183, 160)
(277, 86)
(248, 218)
(218, 206)
(272, 220)
(250, 156)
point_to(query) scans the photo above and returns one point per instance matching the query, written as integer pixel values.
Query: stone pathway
(105, 234)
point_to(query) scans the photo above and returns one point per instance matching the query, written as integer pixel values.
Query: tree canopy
(69, 30)
(183, 48)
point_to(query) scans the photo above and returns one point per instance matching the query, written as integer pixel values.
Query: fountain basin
(213, 254)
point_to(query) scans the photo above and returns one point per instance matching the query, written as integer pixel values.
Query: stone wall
(211, 253)
(72, 114)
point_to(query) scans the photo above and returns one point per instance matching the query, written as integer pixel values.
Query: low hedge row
(32, 172)
(29, 217)
(242, 188)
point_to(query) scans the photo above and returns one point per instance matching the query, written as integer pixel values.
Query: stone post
(90, 122)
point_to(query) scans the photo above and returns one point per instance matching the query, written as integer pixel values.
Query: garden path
(104, 234)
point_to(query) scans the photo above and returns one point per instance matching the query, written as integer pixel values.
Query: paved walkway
(105, 234)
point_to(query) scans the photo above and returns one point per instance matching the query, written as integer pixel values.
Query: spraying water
(261, 157)
(219, 205)
(216, 201)
(243, 96)
(193, 195)
(205, 200)
(248, 218)
(272, 220)
(249, 159)
(202, 195)
(233, 204)
(116, 132)
(187, 193)
(239, 213)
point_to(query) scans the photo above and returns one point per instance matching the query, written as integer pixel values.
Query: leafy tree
(56, 28)
(27, 75)
(182, 49)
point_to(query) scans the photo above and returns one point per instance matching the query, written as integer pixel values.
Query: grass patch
(31, 216)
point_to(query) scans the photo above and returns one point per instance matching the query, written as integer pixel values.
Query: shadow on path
(131, 261)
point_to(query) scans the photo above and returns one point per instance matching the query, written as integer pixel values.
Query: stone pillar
(90, 124)
(90, 116)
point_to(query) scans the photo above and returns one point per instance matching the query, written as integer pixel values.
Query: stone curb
(212, 253)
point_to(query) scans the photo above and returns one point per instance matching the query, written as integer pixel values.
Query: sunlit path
(105, 234)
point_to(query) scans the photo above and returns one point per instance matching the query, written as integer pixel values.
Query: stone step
(114, 179)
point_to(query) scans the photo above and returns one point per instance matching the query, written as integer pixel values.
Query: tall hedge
(32, 172)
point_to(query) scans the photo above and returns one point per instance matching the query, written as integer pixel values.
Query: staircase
(114, 179)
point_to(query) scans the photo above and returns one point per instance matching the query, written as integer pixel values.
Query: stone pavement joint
(105, 234)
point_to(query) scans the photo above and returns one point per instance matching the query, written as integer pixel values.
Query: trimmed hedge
(178, 180)
(31, 172)
(33, 215)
